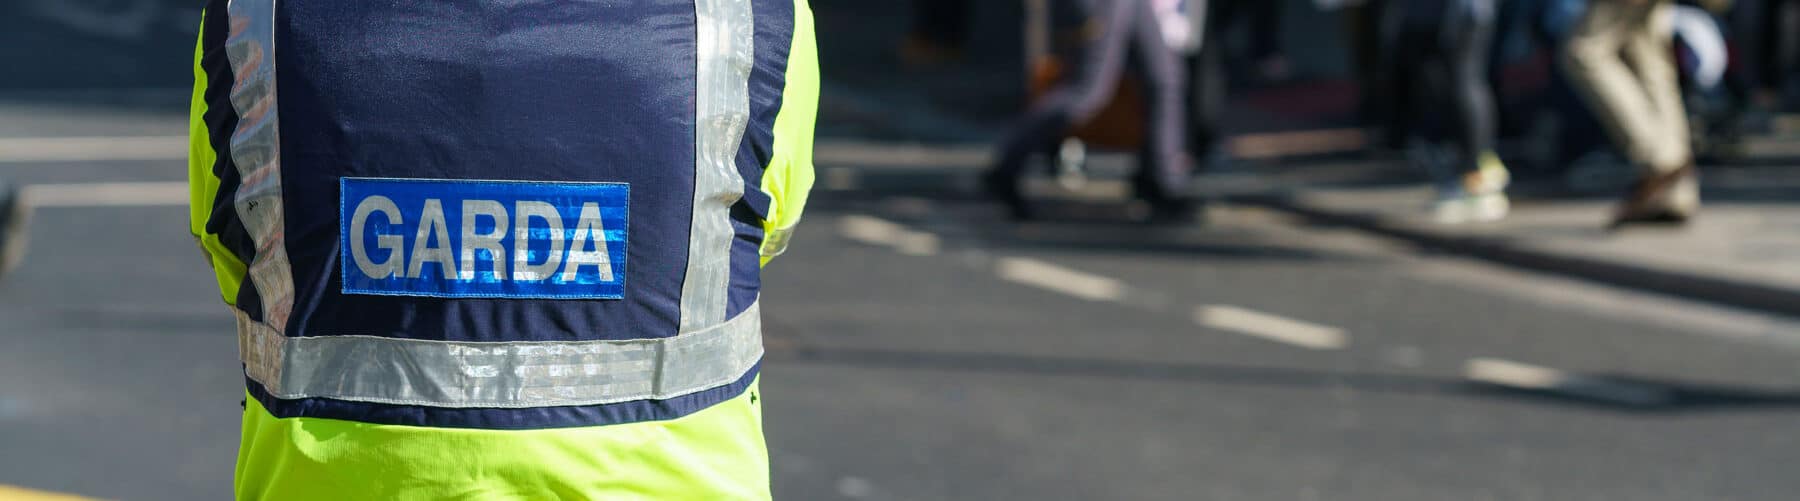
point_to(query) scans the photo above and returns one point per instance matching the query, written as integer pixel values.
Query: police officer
(484, 249)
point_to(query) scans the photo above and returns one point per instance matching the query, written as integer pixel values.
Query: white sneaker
(1478, 196)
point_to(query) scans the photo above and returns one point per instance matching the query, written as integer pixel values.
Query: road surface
(922, 348)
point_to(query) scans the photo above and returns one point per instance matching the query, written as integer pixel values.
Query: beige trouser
(1620, 58)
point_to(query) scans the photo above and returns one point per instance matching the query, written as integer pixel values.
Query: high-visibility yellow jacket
(484, 249)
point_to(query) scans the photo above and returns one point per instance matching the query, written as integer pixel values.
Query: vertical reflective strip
(725, 44)
(256, 150)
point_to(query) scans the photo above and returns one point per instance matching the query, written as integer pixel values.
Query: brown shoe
(1667, 198)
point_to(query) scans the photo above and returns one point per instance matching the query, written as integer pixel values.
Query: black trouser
(1434, 73)
(1128, 31)
(1771, 44)
(1207, 87)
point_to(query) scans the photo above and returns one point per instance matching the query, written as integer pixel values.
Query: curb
(1729, 292)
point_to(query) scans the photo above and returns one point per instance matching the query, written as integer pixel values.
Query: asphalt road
(921, 348)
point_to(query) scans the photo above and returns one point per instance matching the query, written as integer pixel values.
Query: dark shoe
(1664, 198)
(1005, 188)
(14, 215)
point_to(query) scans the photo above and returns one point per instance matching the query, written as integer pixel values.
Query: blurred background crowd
(1462, 88)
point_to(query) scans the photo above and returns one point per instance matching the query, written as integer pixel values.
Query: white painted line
(15, 493)
(1302, 142)
(107, 194)
(1524, 376)
(884, 233)
(909, 206)
(1094, 190)
(902, 155)
(1055, 278)
(1271, 327)
(1514, 374)
(918, 244)
(870, 230)
(92, 149)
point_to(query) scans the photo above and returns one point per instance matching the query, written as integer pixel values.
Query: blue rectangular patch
(483, 239)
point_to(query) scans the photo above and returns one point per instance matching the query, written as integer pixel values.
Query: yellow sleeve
(789, 176)
(203, 186)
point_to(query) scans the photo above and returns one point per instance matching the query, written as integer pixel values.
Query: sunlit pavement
(921, 347)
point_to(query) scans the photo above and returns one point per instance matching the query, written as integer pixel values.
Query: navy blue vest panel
(574, 91)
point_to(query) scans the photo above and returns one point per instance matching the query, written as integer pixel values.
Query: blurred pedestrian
(1620, 58)
(14, 215)
(1115, 33)
(1769, 34)
(1435, 68)
(500, 250)
(1208, 84)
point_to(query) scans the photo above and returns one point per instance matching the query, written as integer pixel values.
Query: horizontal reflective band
(499, 374)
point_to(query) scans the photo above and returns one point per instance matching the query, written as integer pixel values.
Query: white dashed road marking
(1523, 376)
(160, 193)
(92, 149)
(1055, 278)
(24, 494)
(1271, 327)
(881, 232)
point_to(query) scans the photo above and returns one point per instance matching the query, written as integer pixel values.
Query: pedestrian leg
(1082, 94)
(1164, 163)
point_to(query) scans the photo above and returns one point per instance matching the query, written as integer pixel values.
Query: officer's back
(491, 249)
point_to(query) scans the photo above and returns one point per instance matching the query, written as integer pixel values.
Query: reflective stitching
(725, 46)
(500, 374)
(256, 151)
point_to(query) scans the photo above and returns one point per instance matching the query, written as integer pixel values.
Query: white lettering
(524, 211)
(395, 244)
(490, 241)
(588, 230)
(430, 244)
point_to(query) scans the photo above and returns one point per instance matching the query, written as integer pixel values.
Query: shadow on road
(1681, 397)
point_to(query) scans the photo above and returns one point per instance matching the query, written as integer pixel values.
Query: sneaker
(14, 216)
(1071, 164)
(1460, 208)
(1476, 196)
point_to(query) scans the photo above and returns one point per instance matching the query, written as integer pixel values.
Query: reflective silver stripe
(256, 151)
(726, 44)
(499, 374)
